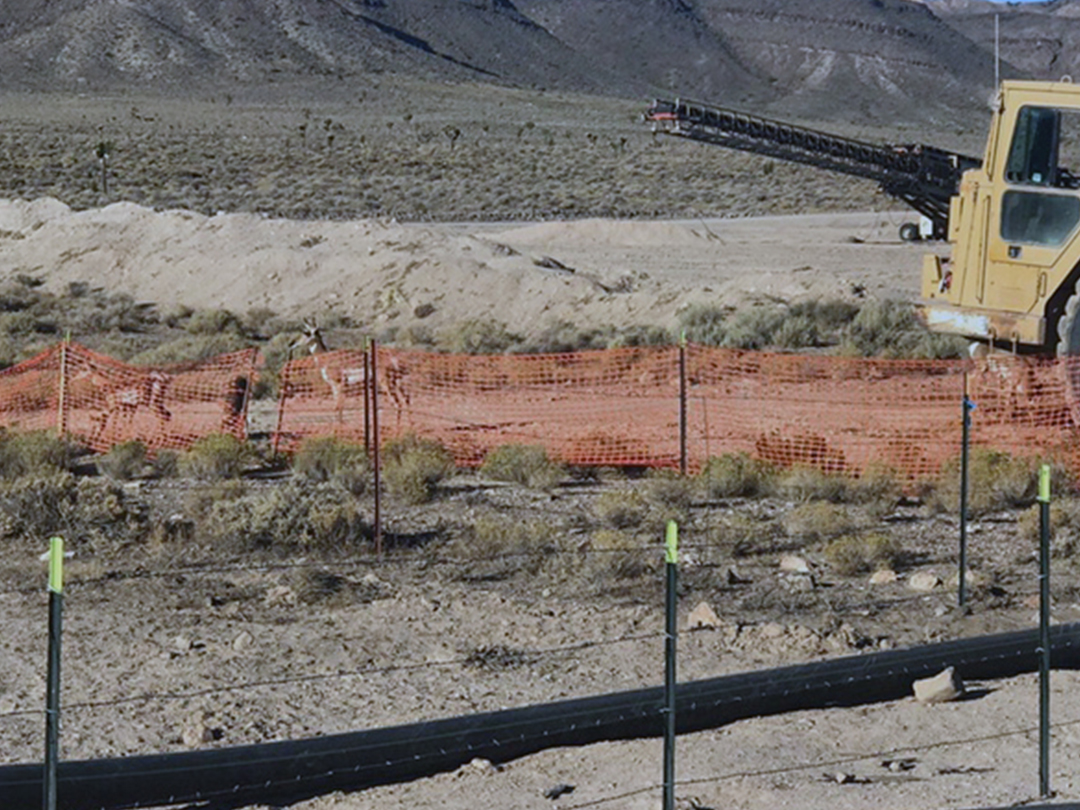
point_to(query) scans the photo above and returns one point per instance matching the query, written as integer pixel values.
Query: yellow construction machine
(1013, 218)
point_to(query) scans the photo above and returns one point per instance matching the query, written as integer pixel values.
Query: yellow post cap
(56, 564)
(671, 541)
(1044, 483)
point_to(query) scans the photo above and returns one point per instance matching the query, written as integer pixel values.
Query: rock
(944, 686)
(842, 778)
(734, 578)
(197, 731)
(280, 596)
(797, 583)
(972, 579)
(794, 565)
(556, 791)
(924, 581)
(476, 766)
(182, 643)
(883, 576)
(243, 641)
(702, 616)
(772, 630)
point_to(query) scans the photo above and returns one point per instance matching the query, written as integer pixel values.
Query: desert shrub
(878, 486)
(34, 453)
(213, 322)
(804, 483)
(200, 500)
(734, 475)
(996, 480)
(413, 467)
(165, 464)
(706, 325)
(817, 520)
(499, 547)
(861, 553)
(216, 456)
(479, 337)
(522, 464)
(795, 326)
(297, 516)
(564, 336)
(90, 512)
(891, 329)
(190, 348)
(669, 492)
(623, 509)
(330, 460)
(615, 554)
(1064, 527)
(124, 461)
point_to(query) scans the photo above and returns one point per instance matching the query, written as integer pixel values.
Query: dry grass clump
(329, 460)
(295, 517)
(996, 480)
(622, 509)
(861, 553)
(616, 555)
(736, 475)
(1064, 527)
(124, 461)
(803, 483)
(669, 492)
(479, 337)
(89, 512)
(34, 453)
(524, 464)
(413, 468)
(817, 521)
(217, 456)
(499, 547)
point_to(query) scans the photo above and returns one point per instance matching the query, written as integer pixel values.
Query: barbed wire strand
(906, 749)
(248, 685)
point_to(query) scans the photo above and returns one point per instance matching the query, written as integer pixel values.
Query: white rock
(243, 641)
(924, 581)
(944, 686)
(883, 576)
(702, 616)
(796, 565)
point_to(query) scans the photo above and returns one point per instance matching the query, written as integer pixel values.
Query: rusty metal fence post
(377, 462)
(682, 405)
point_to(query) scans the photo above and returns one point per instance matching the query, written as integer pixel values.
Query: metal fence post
(52, 689)
(682, 405)
(1044, 630)
(375, 444)
(965, 442)
(671, 636)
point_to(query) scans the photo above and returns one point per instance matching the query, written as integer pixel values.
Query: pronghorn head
(310, 338)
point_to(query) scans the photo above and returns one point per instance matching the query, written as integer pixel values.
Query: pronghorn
(341, 380)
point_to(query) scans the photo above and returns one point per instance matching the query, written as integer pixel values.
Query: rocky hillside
(1041, 39)
(864, 60)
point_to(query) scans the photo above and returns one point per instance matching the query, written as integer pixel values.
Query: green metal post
(968, 407)
(1044, 631)
(671, 631)
(52, 690)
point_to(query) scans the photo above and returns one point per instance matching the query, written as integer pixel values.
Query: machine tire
(909, 232)
(1068, 345)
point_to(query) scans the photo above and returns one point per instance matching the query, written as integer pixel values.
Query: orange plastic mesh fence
(617, 407)
(101, 402)
(30, 393)
(621, 407)
(108, 402)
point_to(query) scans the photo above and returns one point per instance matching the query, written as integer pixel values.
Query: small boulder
(924, 581)
(943, 687)
(794, 565)
(883, 576)
(702, 616)
(243, 641)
